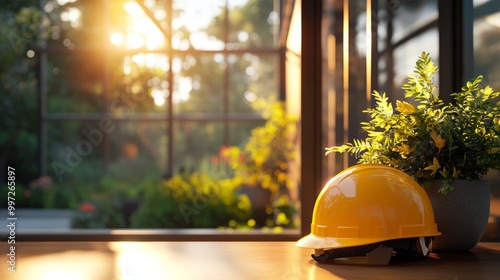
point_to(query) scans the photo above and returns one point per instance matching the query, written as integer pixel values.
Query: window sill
(152, 235)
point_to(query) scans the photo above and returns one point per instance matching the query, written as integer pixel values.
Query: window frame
(226, 117)
(455, 22)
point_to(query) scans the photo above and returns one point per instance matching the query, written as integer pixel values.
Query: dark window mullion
(105, 82)
(311, 111)
(170, 110)
(42, 90)
(456, 47)
(227, 78)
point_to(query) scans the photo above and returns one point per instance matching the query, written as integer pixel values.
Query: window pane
(240, 131)
(406, 55)
(98, 168)
(19, 97)
(195, 143)
(132, 26)
(198, 24)
(253, 23)
(199, 83)
(138, 150)
(75, 82)
(401, 40)
(410, 15)
(75, 151)
(138, 84)
(486, 34)
(252, 76)
(133, 149)
(70, 143)
(487, 42)
(76, 24)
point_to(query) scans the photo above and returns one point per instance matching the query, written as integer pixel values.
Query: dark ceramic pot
(461, 215)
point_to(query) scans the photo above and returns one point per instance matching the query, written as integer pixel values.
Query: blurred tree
(20, 23)
(251, 27)
(85, 73)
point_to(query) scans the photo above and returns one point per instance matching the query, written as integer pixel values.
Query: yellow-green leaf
(439, 142)
(405, 107)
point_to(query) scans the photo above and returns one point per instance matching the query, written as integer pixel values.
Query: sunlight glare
(294, 40)
(273, 18)
(154, 40)
(142, 261)
(197, 14)
(160, 14)
(134, 41)
(141, 32)
(201, 40)
(176, 65)
(183, 90)
(127, 70)
(65, 265)
(62, 274)
(250, 71)
(48, 8)
(180, 43)
(243, 36)
(159, 96)
(116, 38)
(133, 9)
(64, 2)
(494, 19)
(219, 58)
(73, 16)
(150, 60)
(139, 58)
(235, 3)
(198, 39)
(250, 96)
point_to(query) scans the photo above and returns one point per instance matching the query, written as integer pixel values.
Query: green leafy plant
(429, 139)
(98, 214)
(191, 201)
(264, 159)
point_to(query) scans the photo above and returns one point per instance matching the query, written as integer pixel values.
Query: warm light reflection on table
(227, 260)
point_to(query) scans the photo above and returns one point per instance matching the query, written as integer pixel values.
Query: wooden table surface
(226, 260)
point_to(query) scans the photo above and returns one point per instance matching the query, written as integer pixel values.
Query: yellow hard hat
(369, 204)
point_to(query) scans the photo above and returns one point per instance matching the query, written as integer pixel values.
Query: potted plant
(442, 146)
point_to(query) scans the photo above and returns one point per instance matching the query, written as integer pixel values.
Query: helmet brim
(312, 241)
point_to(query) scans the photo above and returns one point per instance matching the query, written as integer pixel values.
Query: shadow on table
(480, 263)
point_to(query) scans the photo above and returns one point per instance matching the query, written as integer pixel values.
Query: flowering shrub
(98, 214)
(87, 207)
(264, 159)
(191, 201)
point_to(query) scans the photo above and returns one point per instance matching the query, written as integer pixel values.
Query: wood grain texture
(228, 260)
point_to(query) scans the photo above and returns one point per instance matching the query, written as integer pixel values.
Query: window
(368, 45)
(132, 95)
(373, 45)
(486, 34)
(192, 75)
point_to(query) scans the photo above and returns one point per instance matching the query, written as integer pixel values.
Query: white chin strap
(424, 248)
